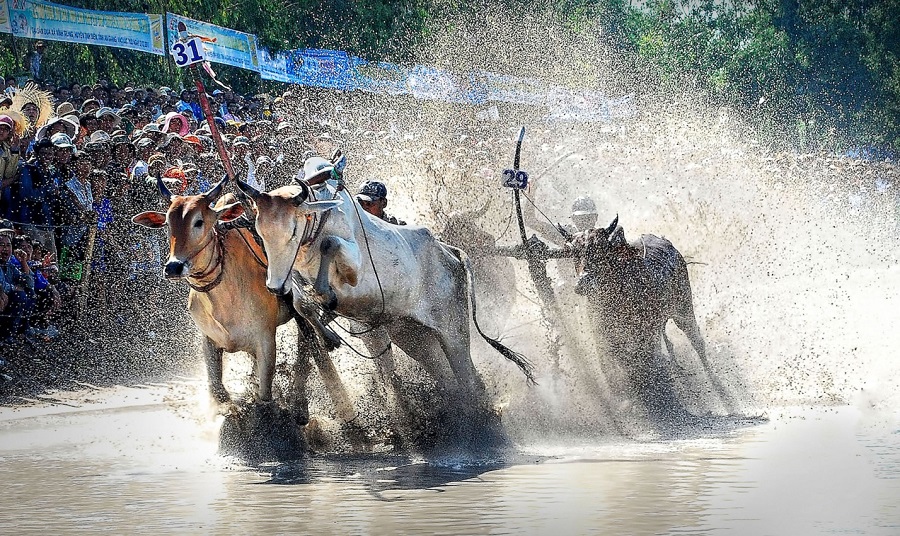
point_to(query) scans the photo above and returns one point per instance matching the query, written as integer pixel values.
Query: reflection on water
(147, 468)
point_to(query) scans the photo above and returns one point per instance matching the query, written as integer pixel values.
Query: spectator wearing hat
(152, 131)
(66, 109)
(372, 198)
(124, 152)
(189, 102)
(90, 106)
(9, 157)
(109, 119)
(172, 146)
(57, 125)
(175, 123)
(175, 179)
(285, 129)
(242, 161)
(144, 147)
(130, 119)
(156, 166)
(192, 147)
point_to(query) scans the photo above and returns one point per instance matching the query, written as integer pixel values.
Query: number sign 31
(188, 52)
(516, 179)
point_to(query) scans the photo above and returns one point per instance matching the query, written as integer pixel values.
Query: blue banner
(221, 45)
(5, 27)
(513, 89)
(380, 77)
(310, 67)
(272, 67)
(36, 19)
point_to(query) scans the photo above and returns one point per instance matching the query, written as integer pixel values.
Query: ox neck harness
(315, 221)
(216, 263)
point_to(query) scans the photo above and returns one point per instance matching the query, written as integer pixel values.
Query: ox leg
(302, 368)
(212, 355)
(388, 384)
(459, 357)
(265, 368)
(335, 386)
(421, 344)
(688, 325)
(322, 286)
(309, 314)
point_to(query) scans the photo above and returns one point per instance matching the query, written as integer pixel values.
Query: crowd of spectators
(74, 158)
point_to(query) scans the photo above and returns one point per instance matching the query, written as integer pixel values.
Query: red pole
(213, 129)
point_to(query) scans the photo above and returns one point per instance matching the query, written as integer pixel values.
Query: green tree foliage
(813, 73)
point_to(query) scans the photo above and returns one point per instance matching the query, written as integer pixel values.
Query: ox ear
(153, 220)
(613, 225)
(322, 206)
(230, 212)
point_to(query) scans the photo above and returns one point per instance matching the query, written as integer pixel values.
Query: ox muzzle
(175, 269)
(279, 291)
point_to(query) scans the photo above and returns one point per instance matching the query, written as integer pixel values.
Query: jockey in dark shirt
(373, 199)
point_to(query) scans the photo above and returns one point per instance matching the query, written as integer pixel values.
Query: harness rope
(218, 262)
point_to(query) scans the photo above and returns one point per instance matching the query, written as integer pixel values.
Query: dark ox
(228, 300)
(633, 289)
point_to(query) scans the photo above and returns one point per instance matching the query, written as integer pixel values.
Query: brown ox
(228, 300)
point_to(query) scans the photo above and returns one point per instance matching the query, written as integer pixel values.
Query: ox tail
(520, 360)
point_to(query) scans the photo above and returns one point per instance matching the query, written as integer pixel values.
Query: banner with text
(37, 19)
(229, 47)
(5, 27)
(310, 67)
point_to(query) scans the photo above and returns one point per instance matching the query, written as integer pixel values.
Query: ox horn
(252, 192)
(163, 190)
(613, 225)
(216, 190)
(303, 194)
(480, 211)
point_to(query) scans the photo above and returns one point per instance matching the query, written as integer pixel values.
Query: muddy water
(127, 461)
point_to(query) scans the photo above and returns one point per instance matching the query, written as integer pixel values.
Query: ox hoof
(221, 397)
(330, 340)
(329, 303)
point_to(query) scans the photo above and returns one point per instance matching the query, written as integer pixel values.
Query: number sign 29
(188, 52)
(513, 178)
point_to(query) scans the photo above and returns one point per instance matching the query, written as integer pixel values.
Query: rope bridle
(216, 263)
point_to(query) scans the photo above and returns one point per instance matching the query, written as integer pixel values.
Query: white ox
(397, 277)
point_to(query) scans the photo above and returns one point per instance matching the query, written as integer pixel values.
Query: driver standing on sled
(583, 217)
(373, 199)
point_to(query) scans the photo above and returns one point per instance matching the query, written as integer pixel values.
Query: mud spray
(793, 266)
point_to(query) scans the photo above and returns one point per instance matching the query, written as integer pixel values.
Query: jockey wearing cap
(373, 199)
(583, 217)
